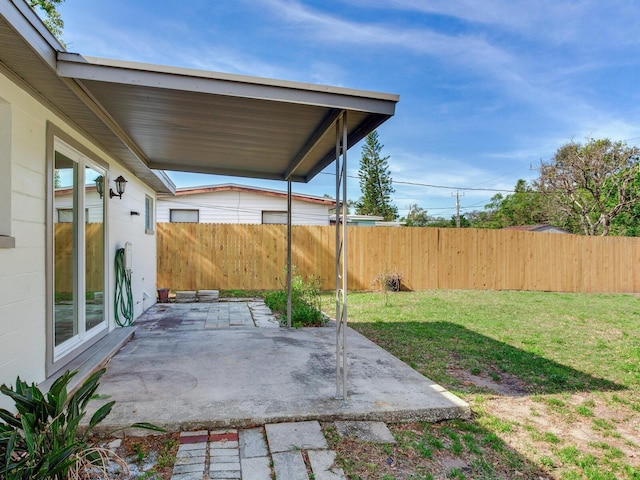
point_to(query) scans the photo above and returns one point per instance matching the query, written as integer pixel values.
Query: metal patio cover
(154, 118)
(198, 121)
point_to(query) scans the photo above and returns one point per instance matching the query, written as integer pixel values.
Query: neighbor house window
(274, 217)
(65, 215)
(184, 216)
(149, 217)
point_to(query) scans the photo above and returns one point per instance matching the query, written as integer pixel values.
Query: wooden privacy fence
(94, 250)
(252, 257)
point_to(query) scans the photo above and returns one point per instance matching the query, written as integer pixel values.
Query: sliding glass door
(78, 250)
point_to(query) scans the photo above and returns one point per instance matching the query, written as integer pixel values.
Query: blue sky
(487, 89)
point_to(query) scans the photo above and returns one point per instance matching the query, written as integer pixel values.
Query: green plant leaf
(147, 426)
(100, 414)
(9, 418)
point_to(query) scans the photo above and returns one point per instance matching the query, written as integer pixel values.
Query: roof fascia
(165, 179)
(230, 172)
(31, 28)
(253, 190)
(156, 76)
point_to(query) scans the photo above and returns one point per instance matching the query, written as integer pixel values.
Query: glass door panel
(94, 251)
(65, 225)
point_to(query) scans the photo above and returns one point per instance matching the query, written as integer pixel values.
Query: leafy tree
(375, 181)
(332, 210)
(417, 217)
(627, 223)
(523, 207)
(589, 185)
(52, 18)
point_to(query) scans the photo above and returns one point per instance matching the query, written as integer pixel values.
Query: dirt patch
(150, 457)
(500, 383)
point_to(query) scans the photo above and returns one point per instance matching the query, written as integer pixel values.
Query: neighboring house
(367, 221)
(231, 203)
(536, 228)
(74, 128)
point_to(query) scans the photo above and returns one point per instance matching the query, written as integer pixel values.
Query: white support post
(289, 267)
(341, 257)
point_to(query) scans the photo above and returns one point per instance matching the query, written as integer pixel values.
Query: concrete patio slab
(180, 375)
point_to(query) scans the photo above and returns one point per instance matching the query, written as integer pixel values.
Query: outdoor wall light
(120, 184)
(100, 185)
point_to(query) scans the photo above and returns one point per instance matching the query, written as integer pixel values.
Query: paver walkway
(290, 450)
(195, 316)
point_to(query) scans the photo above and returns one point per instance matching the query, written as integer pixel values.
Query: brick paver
(258, 453)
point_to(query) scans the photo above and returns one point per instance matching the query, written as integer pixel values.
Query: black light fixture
(100, 185)
(120, 184)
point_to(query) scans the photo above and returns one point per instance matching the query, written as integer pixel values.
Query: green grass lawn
(570, 362)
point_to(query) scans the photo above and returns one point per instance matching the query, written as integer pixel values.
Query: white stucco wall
(22, 269)
(242, 207)
(125, 227)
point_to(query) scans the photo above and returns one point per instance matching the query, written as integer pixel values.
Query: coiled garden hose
(123, 301)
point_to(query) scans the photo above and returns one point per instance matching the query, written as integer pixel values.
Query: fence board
(207, 256)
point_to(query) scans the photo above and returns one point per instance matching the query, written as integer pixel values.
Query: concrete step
(92, 360)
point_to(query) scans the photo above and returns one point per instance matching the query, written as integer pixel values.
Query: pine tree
(375, 181)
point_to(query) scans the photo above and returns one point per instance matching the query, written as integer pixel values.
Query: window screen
(274, 217)
(184, 216)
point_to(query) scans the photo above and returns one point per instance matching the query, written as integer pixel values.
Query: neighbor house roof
(232, 187)
(536, 228)
(155, 117)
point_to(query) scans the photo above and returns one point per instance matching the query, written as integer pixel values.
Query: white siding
(125, 227)
(242, 207)
(22, 269)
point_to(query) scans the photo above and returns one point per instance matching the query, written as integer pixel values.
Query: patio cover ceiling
(154, 118)
(199, 121)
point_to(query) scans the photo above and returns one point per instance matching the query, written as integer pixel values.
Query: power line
(448, 187)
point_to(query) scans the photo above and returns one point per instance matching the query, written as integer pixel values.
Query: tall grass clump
(306, 307)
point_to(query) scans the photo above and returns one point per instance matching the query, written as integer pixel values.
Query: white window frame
(6, 240)
(149, 215)
(60, 355)
(279, 217)
(184, 212)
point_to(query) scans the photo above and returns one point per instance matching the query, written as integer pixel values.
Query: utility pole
(458, 195)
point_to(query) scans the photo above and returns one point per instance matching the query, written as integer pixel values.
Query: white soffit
(198, 121)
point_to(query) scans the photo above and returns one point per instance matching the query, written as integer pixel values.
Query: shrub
(388, 281)
(43, 441)
(305, 302)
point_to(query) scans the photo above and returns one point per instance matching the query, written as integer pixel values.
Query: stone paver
(322, 465)
(283, 437)
(252, 443)
(246, 454)
(376, 432)
(289, 466)
(256, 468)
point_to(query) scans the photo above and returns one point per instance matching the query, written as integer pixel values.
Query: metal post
(289, 254)
(341, 257)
